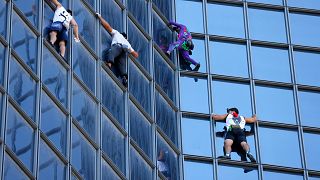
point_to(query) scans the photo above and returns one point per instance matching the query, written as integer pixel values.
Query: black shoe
(125, 81)
(246, 170)
(195, 79)
(252, 159)
(196, 68)
(224, 157)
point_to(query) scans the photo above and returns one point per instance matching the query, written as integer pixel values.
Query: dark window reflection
(50, 167)
(140, 44)
(12, 170)
(279, 147)
(3, 18)
(225, 63)
(84, 110)
(309, 102)
(85, 66)
(2, 60)
(139, 169)
(196, 137)
(225, 20)
(165, 7)
(139, 9)
(54, 123)
(272, 175)
(113, 143)
(275, 2)
(107, 172)
(190, 14)
(20, 137)
(54, 76)
(86, 22)
(196, 170)
(30, 9)
(113, 14)
(312, 151)
(140, 87)
(140, 130)
(166, 118)
(24, 42)
(83, 156)
(247, 173)
(22, 88)
(311, 4)
(164, 76)
(307, 76)
(167, 160)
(275, 104)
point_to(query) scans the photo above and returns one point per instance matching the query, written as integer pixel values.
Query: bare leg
(245, 146)
(227, 145)
(62, 45)
(53, 37)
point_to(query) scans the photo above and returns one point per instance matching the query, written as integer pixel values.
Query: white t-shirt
(240, 121)
(61, 15)
(118, 38)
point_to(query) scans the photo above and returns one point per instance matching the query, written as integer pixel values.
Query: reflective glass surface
(313, 177)
(20, 137)
(91, 2)
(225, 20)
(22, 88)
(53, 123)
(228, 94)
(270, 64)
(166, 118)
(112, 13)
(225, 63)
(30, 8)
(306, 67)
(139, 9)
(303, 31)
(140, 170)
(113, 143)
(11, 169)
(271, 175)
(24, 42)
(107, 172)
(196, 137)
(267, 25)
(194, 95)
(309, 102)
(237, 172)
(83, 156)
(312, 150)
(54, 76)
(85, 66)
(194, 20)
(275, 104)
(312, 4)
(47, 19)
(198, 54)
(3, 17)
(140, 87)
(84, 110)
(2, 60)
(165, 7)
(140, 130)
(196, 170)
(50, 167)
(275, 2)
(279, 147)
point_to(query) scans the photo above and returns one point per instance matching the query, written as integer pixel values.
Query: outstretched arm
(252, 119)
(75, 29)
(104, 23)
(134, 54)
(56, 3)
(175, 24)
(217, 117)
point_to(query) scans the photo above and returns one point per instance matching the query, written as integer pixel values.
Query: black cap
(233, 109)
(69, 11)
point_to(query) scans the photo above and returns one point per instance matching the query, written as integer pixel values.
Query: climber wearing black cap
(235, 131)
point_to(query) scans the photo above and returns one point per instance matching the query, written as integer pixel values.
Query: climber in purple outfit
(184, 44)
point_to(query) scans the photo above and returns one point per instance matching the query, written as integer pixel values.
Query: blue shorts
(61, 30)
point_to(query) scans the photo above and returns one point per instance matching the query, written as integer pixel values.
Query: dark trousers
(116, 55)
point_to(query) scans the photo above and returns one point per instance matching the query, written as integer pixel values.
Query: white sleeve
(113, 32)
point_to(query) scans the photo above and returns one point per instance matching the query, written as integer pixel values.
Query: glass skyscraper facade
(71, 118)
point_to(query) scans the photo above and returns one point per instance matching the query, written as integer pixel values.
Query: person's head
(190, 44)
(124, 35)
(231, 110)
(69, 11)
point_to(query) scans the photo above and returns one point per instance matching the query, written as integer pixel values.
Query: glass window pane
(50, 167)
(225, 63)
(312, 151)
(92, 3)
(197, 101)
(166, 118)
(22, 88)
(30, 8)
(139, 169)
(86, 23)
(309, 102)
(196, 137)
(11, 169)
(196, 170)
(2, 60)
(107, 172)
(312, 4)
(140, 44)
(275, 2)
(224, 94)
(140, 130)
(275, 145)
(139, 9)
(237, 172)
(194, 20)
(275, 104)
(225, 20)
(84, 110)
(54, 76)
(306, 68)
(113, 143)
(83, 156)
(53, 123)
(140, 87)
(3, 18)
(24, 42)
(271, 64)
(113, 14)
(198, 54)
(84, 66)
(20, 137)
(165, 7)
(267, 25)
(303, 31)
(167, 159)
(271, 175)
(313, 177)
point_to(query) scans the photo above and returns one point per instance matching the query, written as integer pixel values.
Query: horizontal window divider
(282, 169)
(273, 83)
(306, 48)
(113, 77)
(313, 172)
(308, 129)
(230, 78)
(88, 48)
(198, 35)
(4, 42)
(227, 39)
(164, 56)
(76, 173)
(198, 158)
(25, 67)
(315, 89)
(142, 153)
(2, 91)
(264, 6)
(54, 99)
(231, 2)
(193, 74)
(162, 177)
(159, 13)
(237, 163)
(114, 121)
(56, 55)
(112, 165)
(306, 11)
(26, 20)
(85, 134)
(140, 67)
(120, 3)
(276, 125)
(137, 24)
(85, 88)
(140, 108)
(201, 116)
(167, 99)
(22, 113)
(268, 43)
(168, 140)
(89, 7)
